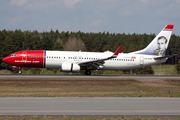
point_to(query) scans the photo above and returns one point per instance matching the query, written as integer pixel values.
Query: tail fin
(159, 44)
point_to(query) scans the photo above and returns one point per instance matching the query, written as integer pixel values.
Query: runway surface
(90, 107)
(92, 77)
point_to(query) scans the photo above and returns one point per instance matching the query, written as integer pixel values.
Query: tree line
(13, 41)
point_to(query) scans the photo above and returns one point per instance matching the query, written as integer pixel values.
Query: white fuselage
(54, 59)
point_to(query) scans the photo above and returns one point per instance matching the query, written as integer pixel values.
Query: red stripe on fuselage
(33, 58)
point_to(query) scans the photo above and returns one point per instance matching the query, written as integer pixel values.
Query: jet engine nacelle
(70, 67)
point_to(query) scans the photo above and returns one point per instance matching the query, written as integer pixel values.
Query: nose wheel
(19, 70)
(87, 72)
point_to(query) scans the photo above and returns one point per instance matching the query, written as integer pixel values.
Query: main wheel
(87, 72)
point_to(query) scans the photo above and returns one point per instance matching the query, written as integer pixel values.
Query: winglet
(117, 51)
(170, 27)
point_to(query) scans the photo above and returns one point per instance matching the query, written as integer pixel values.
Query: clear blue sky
(114, 16)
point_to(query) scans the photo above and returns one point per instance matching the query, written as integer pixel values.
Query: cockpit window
(12, 55)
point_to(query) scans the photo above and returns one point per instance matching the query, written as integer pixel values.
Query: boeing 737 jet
(71, 61)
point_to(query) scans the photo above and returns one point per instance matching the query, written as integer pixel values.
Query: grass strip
(88, 87)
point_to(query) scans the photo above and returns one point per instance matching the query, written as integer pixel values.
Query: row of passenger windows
(53, 57)
(102, 58)
(35, 56)
(122, 59)
(81, 58)
(43, 57)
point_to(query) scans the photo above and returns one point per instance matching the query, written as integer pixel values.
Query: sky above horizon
(113, 16)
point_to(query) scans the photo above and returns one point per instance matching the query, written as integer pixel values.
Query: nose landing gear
(16, 67)
(19, 70)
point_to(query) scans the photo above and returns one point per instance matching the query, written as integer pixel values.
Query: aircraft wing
(99, 62)
(166, 56)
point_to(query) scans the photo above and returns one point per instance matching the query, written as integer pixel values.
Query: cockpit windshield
(12, 55)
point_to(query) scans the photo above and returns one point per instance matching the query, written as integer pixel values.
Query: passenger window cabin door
(80, 58)
(24, 56)
(77, 58)
(141, 60)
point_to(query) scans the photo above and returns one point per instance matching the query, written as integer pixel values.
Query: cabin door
(24, 56)
(141, 60)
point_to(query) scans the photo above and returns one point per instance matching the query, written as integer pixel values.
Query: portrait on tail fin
(161, 43)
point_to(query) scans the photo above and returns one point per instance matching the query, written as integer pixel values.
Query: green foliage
(43, 71)
(5, 72)
(49, 72)
(30, 71)
(165, 70)
(58, 72)
(146, 70)
(113, 72)
(178, 67)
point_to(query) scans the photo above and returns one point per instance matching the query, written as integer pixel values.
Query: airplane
(73, 61)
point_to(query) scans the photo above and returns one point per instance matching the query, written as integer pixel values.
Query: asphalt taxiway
(90, 107)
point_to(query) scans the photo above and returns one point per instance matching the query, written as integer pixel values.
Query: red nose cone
(6, 60)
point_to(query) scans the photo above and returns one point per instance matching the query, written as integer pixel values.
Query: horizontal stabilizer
(167, 56)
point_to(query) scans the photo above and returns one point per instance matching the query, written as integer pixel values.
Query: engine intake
(70, 67)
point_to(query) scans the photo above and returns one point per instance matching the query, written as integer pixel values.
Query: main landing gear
(87, 72)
